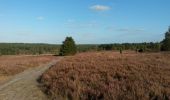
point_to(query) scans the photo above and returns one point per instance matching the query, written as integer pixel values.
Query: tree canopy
(68, 47)
(166, 41)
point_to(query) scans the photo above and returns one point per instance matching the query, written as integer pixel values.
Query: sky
(87, 21)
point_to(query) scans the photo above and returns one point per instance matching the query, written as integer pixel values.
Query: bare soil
(24, 86)
(11, 65)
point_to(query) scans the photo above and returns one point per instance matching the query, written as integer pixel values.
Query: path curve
(24, 86)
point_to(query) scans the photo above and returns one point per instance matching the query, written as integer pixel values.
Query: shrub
(109, 76)
(120, 50)
(140, 50)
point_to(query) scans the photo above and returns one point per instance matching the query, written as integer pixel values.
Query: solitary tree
(166, 42)
(68, 47)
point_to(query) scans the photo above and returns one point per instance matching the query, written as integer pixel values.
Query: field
(11, 65)
(109, 76)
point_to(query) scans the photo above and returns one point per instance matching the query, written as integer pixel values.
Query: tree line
(38, 48)
(27, 49)
(144, 47)
(152, 47)
(69, 47)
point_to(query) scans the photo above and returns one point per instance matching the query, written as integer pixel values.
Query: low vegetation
(110, 76)
(11, 65)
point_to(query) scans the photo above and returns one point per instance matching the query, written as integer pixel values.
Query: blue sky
(87, 21)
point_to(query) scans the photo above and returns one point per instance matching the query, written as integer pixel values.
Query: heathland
(11, 65)
(109, 75)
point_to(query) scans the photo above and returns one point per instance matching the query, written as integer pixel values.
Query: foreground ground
(11, 65)
(110, 76)
(24, 86)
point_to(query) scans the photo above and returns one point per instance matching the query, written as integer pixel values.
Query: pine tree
(166, 42)
(68, 47)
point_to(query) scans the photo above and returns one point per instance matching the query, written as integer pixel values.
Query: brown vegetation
(10, 65)
(110, 76)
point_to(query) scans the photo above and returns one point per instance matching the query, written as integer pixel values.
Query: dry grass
(10, 65)
(110, 76)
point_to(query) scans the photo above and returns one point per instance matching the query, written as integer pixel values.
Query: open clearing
(110, 76)
(24, 86)
(91, 76)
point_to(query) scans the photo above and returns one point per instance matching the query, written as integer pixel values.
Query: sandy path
(24, 86)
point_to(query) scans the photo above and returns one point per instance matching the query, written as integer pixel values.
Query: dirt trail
(24, 86)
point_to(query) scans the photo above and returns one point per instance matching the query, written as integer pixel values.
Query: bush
(120, 50)
(140, 50)
(109, 76)
(68, 47)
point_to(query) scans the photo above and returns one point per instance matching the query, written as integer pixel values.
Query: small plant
(120, 50)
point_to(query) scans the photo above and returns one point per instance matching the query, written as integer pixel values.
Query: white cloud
(127, 30)
(100, 8)
(40, 18)
(80, 25)
(124, 30)
(70, 20)
(130, 30)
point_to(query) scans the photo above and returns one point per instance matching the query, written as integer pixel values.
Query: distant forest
(37, 49)
(27, 49)
(144, 47)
